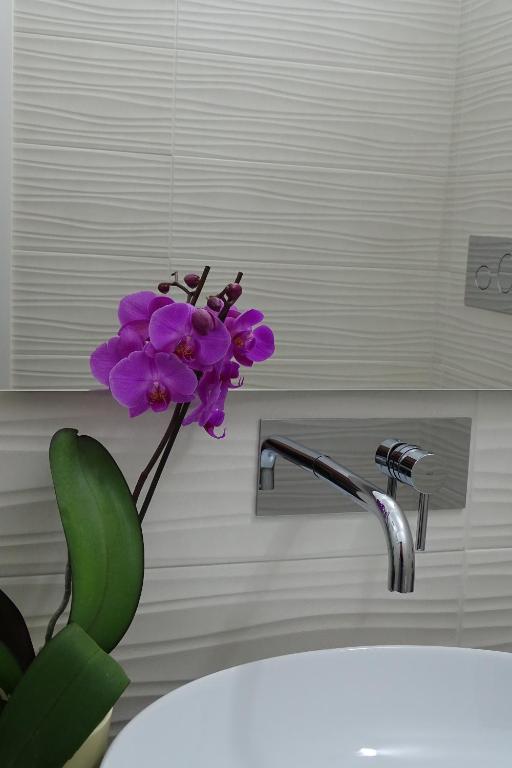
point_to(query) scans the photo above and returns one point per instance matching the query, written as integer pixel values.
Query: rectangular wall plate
(489, 274)
(353, 442)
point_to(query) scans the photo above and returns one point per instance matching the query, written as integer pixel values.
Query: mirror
(340, 154)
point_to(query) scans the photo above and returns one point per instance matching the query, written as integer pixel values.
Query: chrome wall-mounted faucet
(409, 464)
(393, 521)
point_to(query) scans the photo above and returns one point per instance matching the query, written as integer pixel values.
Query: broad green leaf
(10, 670)
(65, 693)
(103, 535)
(14, 634)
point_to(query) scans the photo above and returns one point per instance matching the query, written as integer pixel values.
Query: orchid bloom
(196, 336)
(249, 344)
(141, 381)
(108, 354)
(136, 309)
(174, 352)
(211, 395)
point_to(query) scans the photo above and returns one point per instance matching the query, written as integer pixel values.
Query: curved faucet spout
(393, 521)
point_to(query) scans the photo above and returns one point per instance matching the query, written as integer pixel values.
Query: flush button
(505, 273)
(483, 278)
(489, 273)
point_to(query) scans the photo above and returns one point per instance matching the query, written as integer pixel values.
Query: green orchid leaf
(14, 634)
(10, 670)
(103, 534)
(66, 692)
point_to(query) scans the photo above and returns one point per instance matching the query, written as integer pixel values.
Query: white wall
(475, 345)
(304, 142)
(223, 587)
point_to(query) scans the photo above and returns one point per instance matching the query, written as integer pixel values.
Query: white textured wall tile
(480, 203)
(86, 201)
(326, 132)
(485, 34)
(475, 350)
(144, 22)
(88, 226)
(269, 219)
(482, 117)
(107, 86)
(490, 501)
(254, 109)
(377, 374)
(487, 610)
(396, 36)
(475, 346)
(238, 212)
(64, 304)
(84, 93)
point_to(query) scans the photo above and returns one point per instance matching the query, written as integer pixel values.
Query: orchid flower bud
(164, 287)
(192, 280)
(233, 291)
(201, 321)
(214, 303)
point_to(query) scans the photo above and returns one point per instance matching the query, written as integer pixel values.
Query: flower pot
(94, 747)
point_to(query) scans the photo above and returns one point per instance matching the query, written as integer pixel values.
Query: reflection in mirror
(340, 154)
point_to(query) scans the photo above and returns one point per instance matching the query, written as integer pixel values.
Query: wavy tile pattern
(83, 93)
(223, 588)
(393, 36)
(491, 490)
(366, 141)
(142, 22)
(486, 27)
(487, 616)
(475, 346)
(254, 109)
(298, 216)
(85, 201)
(300, 136)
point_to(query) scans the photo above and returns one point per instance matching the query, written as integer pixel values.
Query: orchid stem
(165, 455)
(161, 445)
(175, 416)
(166, 444)
(62, 607)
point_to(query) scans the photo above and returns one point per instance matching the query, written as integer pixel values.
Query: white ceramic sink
(390, 706)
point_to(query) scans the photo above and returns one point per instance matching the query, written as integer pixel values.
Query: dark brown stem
(166, 444)
(200, 286)
(176, 414)
(161, 445)
(227, 306)
(165, 455)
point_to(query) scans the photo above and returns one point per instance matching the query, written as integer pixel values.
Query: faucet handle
(409, 464)
(382, 455)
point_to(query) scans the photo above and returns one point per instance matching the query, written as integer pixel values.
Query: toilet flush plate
(489, 274)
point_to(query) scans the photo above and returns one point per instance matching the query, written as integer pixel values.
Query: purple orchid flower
(108, 354)
(174, 352)
(211, 393)
(196, 336)
(249, 344)
(136, 309)
(140, 382)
